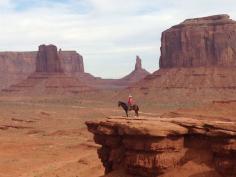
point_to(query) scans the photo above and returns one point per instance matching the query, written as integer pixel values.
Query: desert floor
(47, 137)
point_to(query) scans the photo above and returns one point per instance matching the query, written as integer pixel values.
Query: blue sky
(108, 33)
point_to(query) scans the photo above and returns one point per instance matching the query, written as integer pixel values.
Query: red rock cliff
(48, 59)
(181, 147)
(208, 41)
(72, 61)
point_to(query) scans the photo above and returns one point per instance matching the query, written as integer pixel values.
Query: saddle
(130, 107)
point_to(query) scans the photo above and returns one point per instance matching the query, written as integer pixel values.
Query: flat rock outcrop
(207, 41)
(165, 147)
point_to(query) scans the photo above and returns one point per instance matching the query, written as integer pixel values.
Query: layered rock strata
(151, 148)
(207, 41)
(72, 62)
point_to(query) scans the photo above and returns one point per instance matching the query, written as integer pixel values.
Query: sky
(107, 33)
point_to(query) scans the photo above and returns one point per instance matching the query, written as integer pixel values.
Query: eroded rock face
(208, 41)
(72, 61)
(48, 59)
(151, 148)
(15, 66)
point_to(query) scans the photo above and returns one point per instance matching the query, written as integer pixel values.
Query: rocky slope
(179, 147)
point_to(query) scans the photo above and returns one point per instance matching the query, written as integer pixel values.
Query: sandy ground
(47, 137)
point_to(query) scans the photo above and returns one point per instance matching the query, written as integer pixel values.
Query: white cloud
(108, 33)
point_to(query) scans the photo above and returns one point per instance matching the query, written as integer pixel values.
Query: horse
(126, 108)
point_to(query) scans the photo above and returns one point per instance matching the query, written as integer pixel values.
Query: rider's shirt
(130, 101)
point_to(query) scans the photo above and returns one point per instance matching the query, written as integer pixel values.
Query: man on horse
(130, 101)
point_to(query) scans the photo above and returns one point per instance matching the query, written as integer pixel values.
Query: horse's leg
(127, 114)
(137, 113)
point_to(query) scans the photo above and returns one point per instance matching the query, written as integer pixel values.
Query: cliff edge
(179, 147)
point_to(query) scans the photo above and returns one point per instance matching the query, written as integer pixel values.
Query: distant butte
(51, 76)
(17, 66)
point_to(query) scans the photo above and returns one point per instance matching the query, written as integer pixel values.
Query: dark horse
(126, 108)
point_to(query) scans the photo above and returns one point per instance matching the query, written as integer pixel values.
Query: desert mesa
(57, 120)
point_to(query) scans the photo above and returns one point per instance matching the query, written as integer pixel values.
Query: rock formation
(138, 73)
(138, 65)
(197, 63)
(55, 74)
(118, 84)
(208, 41)
(48, 59)
(179, 147)
(17, 66)
(72, 62)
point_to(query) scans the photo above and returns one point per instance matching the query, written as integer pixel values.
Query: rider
(130, 101)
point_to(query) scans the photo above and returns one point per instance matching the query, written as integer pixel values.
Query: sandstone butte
(197, 62)
(166, 147)
(17, 66)
(50, 76)
(208, 41)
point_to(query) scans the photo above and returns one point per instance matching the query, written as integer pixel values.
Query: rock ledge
(152, 147)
